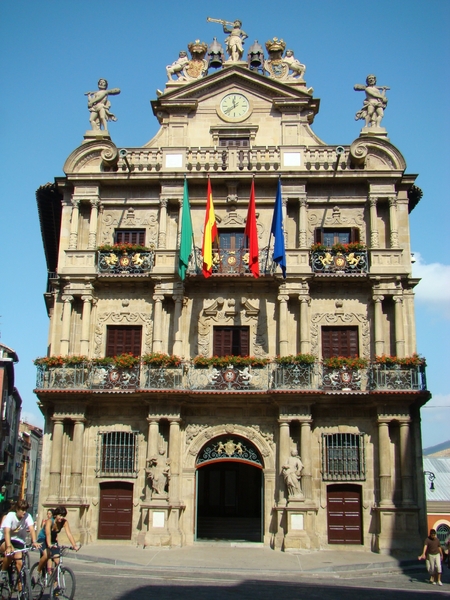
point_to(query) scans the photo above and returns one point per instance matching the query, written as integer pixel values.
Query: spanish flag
(209, 234)
(252, 234)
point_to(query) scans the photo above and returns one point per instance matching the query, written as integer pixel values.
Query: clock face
(234, 106)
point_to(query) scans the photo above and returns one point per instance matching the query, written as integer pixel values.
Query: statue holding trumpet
(235, 40)
(99, 105)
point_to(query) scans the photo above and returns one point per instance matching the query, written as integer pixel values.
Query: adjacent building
(186, 398)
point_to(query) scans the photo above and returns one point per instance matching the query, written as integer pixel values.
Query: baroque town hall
(232, 347)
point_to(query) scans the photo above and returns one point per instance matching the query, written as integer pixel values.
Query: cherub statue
(99, 105)
(374, 104)
(177, 66)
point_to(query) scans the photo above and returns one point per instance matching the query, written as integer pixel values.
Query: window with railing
(130, 236)
(343, 457)
(117, 454)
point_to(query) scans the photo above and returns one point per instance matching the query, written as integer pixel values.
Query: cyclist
(14, 529)
(48, 537)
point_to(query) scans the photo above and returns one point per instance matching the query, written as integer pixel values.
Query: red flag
(252, 234)
(209, 234)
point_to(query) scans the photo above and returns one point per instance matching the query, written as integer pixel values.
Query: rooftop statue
(177, 66)
(295, 66)
(99, 105)
(188, 70)
(373, 106)
(235, 41)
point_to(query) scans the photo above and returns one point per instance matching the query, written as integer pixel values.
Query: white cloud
(435, 419)
(434, 288)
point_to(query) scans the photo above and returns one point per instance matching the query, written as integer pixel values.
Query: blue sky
(52, 52)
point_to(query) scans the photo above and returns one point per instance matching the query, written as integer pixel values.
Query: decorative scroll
(227, 448)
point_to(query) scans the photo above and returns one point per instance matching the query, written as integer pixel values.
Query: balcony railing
(120, 263)
(332, 261)
(271, 377)
(232, 262)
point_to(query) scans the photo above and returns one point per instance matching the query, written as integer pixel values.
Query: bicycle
(19, 581)
(61, 582)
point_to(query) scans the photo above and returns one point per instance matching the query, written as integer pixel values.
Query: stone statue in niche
(373, 106)
(99, 105)
(158, 474)
(292, 473)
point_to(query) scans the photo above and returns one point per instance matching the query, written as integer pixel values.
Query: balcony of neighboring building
(232, 374)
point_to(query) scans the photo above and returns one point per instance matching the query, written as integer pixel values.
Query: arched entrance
(229, 500)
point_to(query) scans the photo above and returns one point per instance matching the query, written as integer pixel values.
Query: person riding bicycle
(48, 537)
(14, 529)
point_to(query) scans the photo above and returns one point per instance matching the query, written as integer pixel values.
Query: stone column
(399, 328)
(162, 223)
(305, 446)
(73, 240)
(85, 324)
(77, 461)
(283, 332)
(157, 322)
(177, 333)
(56, 461)
(283, 455)
(406, 463)
(66, 318)
(305, 342)
(152, 447)
(302, 229)
(378, 319)
(384, 450)
(174, 455)
(374, 236)
(393, 222)
(92, 243)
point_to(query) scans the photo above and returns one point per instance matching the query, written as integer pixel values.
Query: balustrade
(133, 263)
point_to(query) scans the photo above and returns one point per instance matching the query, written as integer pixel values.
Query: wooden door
(344, 514)
(116, 511)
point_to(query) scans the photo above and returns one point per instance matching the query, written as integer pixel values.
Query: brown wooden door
(116, 511)
(344, 514)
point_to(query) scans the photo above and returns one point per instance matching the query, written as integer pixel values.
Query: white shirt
(19, 527)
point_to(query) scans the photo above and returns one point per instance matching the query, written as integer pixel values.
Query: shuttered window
(329, 237)
(123, 339)
(231, 341)
(130, 236)
(340, 341)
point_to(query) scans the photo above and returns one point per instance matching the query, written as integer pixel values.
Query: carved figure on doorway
(292, 473)
(158, 474)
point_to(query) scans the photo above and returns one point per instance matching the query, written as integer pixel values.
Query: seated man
(14, 529)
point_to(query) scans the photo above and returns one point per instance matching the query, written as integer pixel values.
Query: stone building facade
(293, 446)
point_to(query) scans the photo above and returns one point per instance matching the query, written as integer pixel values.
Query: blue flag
(279, 254)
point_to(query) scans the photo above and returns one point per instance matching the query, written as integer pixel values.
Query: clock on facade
(234, 107)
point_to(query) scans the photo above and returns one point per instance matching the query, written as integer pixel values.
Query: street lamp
(431, 478)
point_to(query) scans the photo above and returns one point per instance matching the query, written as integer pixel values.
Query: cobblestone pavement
(107, 582)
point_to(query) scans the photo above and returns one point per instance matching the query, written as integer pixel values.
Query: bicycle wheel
(37, 586)
(63, 584)
(25, 580)
(5, 591)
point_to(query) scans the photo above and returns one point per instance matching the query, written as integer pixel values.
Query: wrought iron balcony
(120, 263)
(271, 377)
(333, 261)
(231, 262)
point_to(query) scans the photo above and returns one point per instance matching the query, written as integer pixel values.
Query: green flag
(186, 234)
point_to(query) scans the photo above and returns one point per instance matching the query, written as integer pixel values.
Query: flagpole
(193, 240)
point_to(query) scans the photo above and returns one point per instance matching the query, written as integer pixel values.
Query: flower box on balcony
(159, 360)
(218, 362)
